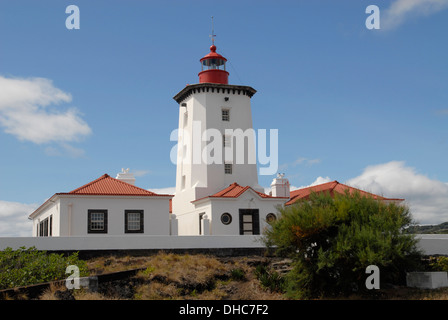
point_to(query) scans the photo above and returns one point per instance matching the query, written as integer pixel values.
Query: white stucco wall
(70, 214)
(202, 180)
(51, 209)
(215, 207)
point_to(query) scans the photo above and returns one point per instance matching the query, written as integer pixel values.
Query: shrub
(29, 266)
(238, 274)
(269, 278)
(332, 240)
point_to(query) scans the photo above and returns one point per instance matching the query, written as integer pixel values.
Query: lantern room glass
(209, 64)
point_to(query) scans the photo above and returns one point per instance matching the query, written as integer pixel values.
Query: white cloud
(401, 10)
(169, 190)
(427, 198)
(300, 161)
(25, 112)
(14, 219)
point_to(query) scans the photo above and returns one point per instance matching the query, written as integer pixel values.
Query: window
(249, 222)
(183, 182)
(43, 228)
(201, 217)
(97, 221)
(270, 217)
(226, 140)
(185, 118)
(133, 221)
(225, 114)
(228, 168)
(226, 218)
(51, 225)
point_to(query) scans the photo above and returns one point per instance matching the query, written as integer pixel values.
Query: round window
(226, 218)
(270, 217)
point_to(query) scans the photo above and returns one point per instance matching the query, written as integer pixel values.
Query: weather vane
(213, 35)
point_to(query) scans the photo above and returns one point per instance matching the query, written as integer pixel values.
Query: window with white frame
(133, 221)
(228, 168)
(97, 221)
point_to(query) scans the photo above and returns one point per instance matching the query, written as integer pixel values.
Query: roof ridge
(114, 180)
(89, 183)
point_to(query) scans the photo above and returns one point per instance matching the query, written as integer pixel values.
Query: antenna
(213, 35)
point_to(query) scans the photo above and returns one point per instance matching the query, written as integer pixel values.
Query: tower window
(225, 115)
(226, 140)
(228, 168)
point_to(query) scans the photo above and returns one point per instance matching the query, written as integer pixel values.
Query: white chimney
(280, 186)
(126, 176)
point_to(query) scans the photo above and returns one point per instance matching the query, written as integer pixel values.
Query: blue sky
(364, 107)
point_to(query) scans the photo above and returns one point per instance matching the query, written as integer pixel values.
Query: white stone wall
(70, 214)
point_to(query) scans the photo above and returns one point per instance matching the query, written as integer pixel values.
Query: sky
(366, 107)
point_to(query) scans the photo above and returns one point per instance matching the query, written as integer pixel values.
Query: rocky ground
(201, 277)
(173, 276)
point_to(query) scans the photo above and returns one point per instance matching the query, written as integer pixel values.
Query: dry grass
(202, 277)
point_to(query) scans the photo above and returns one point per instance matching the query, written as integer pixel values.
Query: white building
(217, 190)
(104, 206)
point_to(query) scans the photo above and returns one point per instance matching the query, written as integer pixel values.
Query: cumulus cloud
(14, 219)
(402, 10)
(427, 198)
(27, 112)
(168, 190)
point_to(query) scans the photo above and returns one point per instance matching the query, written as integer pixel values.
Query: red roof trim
(235, 190)
(331, 187)
(106, 185)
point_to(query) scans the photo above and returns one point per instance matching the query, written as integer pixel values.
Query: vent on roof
(126, 176)
(280, 186)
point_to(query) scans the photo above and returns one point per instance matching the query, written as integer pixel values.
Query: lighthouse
(214, 150)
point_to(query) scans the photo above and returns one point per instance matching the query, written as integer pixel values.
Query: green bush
(332, 240)
(438, 263)
(269, 278)
(238, 274)
(29, 266)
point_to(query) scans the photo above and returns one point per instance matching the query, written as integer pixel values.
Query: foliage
(332, 240)
(29, 266)
(438, 263)
(269, 278)
(238, 274)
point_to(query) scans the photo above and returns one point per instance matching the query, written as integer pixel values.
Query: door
(249, 221)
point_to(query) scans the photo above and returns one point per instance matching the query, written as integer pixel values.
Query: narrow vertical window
(226, 140)
(225, 114)
(228, 168)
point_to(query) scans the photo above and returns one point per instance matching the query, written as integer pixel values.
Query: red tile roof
(106, 185)
(235, 190)
(332, 188)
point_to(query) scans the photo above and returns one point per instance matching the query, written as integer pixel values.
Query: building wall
(202, 179)
(213, 208)
(53, 211)
(70, 214)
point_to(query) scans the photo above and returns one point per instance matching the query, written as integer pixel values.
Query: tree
(332, 240)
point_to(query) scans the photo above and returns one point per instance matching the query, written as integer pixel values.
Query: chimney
(280, 186)
(125, 176)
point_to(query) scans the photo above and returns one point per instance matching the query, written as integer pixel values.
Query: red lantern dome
(213, 68)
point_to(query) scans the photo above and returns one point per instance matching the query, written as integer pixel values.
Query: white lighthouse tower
(216, 145)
